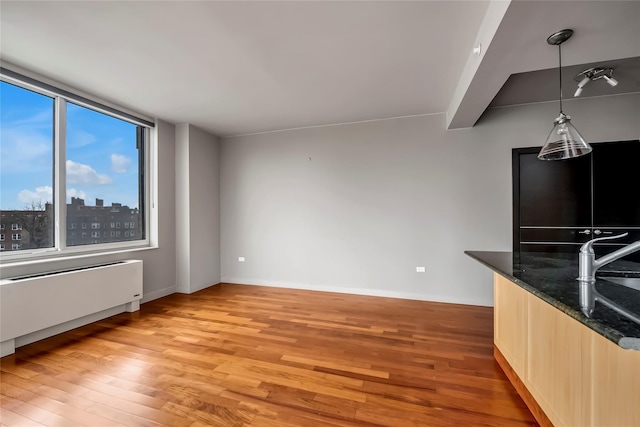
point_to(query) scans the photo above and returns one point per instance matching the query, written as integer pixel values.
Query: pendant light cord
(560, 71)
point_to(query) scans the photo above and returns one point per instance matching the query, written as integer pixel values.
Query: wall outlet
(420, 270)
(240, 259)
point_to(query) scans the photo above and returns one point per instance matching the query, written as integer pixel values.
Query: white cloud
(45, 194)
(27, 142)
(39, 119)
(120, 163)
(42, 194)
(72, 192)
(25, 150)
(80, 138)
(78, 173)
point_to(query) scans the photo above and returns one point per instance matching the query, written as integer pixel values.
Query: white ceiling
(514, 36)
(240, 67)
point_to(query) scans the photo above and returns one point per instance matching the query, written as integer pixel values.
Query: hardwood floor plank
(36, 413)
(9, 418)
(78, 416)
(337, 367)
(243, 356)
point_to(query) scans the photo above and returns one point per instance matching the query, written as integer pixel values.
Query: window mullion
(60, 173)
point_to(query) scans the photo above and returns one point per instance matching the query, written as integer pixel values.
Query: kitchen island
(571, 369)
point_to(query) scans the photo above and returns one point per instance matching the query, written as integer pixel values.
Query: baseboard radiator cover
(34, 303)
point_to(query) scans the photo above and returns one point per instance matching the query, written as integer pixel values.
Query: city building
(86, 225)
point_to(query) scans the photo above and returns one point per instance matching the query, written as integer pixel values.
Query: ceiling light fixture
(564, 140)
(610, 80)
(581, 85)
(595, 73)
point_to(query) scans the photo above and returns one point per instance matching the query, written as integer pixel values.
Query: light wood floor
(234, 355)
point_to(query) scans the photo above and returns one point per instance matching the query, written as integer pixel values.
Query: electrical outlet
(420, 269)
(240, 259)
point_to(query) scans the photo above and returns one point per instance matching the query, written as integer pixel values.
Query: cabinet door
(554, 193)
(554, 363)
(510, 322)
(616, 184)
(612, 397)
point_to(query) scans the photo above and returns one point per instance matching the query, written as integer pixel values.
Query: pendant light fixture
(564, 140)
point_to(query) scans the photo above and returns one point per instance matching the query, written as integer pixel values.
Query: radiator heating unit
(31, 305)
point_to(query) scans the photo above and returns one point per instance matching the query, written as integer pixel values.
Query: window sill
(48, 257)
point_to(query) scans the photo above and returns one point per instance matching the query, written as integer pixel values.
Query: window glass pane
(26, 168)
(104, 175)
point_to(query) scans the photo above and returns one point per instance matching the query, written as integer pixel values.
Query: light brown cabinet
(575, 376)
(510, 322)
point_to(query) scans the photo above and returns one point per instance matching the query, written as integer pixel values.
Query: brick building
(86, 225)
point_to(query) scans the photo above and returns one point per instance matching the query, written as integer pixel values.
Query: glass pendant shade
(564, 141)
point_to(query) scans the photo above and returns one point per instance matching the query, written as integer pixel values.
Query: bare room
(319, 213)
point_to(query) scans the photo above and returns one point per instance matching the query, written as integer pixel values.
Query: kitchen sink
(629, 282)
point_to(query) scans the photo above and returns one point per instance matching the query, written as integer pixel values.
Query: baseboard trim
(67, 326)
(158, 294)
(361, 291)
(526, 396)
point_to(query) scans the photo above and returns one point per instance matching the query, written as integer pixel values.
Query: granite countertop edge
(630, 343)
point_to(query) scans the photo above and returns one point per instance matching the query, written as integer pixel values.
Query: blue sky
(102, 159)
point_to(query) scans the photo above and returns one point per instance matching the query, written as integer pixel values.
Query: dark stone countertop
(552, 277)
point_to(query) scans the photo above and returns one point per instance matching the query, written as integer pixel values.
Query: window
(95, 234)
(16, 236)
(126, 234)
(102, 174)
(117, 234)
(132, 225)
(84, 234)
(1, 246)
(1, 237)
(1, 226)
(113, 225)
(16, 246)
(126, 225)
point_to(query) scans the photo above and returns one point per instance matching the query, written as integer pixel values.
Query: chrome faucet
(588, 263)
(589, 296)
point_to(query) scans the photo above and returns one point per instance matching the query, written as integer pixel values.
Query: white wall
(355, 208)
(197, 209)
(182, 226)
(159, 264)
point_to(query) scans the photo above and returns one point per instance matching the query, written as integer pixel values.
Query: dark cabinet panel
(555, 193)
(558, 248)
(616, 184)
(558, 205)
(579, 235)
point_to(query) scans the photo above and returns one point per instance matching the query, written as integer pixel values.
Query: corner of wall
(182, 208)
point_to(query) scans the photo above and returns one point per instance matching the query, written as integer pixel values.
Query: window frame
(148, 199)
